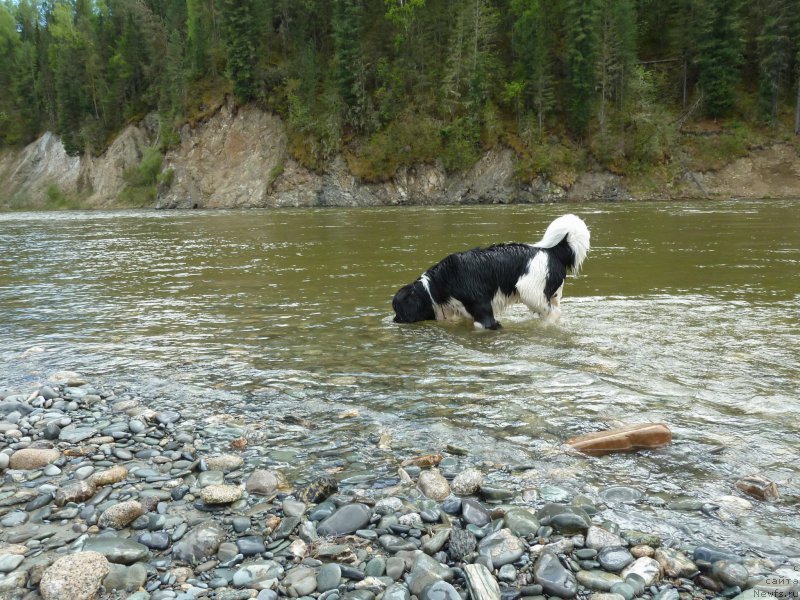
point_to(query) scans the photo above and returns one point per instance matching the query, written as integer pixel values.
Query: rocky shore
(106, 494)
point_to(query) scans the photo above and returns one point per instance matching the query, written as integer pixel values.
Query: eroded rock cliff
(240, 159)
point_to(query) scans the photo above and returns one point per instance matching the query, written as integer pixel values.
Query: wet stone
(200, 543)
(646, 568)
(553, 577)
(502, 547)
(347, 519)
(433, 484)
(614, 558)
(328, 577)
(301, 581)
(167, 416)
(598, 538)
(674, 563)
(564, 519)
(116, 549)
(439, 590)
(394, 544)
(461, 544)
(474, 513)
(597, 580)
(731, 574)
(155, 540)
(251, 545)
(467, 482)
(285, 528)
(521, 522)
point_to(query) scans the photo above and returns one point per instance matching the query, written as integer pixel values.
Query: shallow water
(685, 313)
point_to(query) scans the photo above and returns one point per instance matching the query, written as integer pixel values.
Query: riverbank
(107, 493)
(240, 157)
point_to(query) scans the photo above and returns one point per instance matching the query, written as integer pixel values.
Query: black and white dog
(480, 283)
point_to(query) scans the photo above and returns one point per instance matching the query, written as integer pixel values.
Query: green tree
(774, 52)
(533, 45)
(719, 56)
(242, 29)
(581, 41)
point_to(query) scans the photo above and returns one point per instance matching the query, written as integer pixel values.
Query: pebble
(221, 494)
(467, 483)
(347, 519)
(553, 577)
(614, 558)
(646, 568)
(161, 499)
(33, 458)
(121, 515)
(76, 576)
(433, 484)
(328, 577)
(474, 513)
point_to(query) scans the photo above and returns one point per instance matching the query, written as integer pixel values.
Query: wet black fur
(473, 277)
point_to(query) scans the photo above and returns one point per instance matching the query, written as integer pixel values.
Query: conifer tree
(242, 31)
(581, 41)
(719, 56)
(533, 46)
(774, 51)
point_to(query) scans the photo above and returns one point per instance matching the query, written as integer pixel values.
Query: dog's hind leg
(483, 316)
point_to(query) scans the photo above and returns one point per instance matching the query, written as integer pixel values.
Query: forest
(630, 85)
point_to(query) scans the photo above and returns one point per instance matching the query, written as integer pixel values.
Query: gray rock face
(346, 519)
(74, 577)
(200, 543)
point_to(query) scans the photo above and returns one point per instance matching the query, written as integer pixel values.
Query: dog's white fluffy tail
(576, 232)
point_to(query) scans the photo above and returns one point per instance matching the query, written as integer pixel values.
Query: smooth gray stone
(597, 580)
(300, 581)
(393, 543)
(348, 519)
(155, 540)
(199, 544)
(116, 549)
(251, 545)
(285, 528)
(521, 522)
(553, 577)
(620, 494)
(474, 513)
(614, 558)
(440, 590)
(328, 577)
(397, 591)
(125, 579)
(376, 567)
(426, 571)
(502, 547)
(564, 519)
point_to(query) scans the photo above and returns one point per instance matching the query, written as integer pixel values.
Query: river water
(281, 322)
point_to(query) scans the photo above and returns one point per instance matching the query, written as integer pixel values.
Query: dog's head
(412, 303)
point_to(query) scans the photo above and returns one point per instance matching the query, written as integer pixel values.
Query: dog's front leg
(483, 317)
